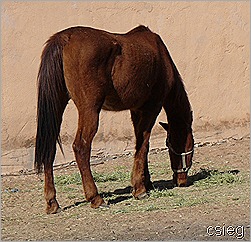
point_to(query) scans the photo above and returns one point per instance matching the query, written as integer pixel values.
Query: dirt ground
(200, 208)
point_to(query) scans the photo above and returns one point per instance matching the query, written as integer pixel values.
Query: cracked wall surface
(208, 41)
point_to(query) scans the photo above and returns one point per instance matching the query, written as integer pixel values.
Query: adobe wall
(208, 41)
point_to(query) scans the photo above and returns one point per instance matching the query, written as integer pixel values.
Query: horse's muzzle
(180, 179)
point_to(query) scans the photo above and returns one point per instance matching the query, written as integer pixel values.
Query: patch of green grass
(116, 175)
(204, 190)
(151, 208)
(219, 178)
(117, 211)
(189, 201)
(75, 178)
(158, 170)
(162, 193)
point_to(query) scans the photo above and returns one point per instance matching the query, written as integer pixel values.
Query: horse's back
(122, 68)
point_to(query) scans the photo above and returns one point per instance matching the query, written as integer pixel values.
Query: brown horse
(98, 69)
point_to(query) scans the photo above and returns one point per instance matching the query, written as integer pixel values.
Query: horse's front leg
(143, 123)
(140, 175)
(87, 128)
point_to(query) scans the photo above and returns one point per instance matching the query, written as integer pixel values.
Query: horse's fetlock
(51, 201)
(97, 201)
(81, 149)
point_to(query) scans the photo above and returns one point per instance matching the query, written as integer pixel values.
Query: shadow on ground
(126, 193)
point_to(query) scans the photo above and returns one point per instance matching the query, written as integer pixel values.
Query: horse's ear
(165, 126)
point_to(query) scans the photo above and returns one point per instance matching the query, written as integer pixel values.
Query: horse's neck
(177, 105)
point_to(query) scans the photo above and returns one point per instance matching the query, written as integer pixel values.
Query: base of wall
(20, 161)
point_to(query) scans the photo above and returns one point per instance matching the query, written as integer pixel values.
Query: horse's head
(180, 145)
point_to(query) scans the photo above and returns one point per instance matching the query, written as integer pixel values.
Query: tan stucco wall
(209, 42)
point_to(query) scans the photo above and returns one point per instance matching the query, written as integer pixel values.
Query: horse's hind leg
(87, 128)
(52, 205)
(143, 123)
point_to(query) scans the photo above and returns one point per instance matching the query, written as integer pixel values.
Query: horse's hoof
(53, 207)
(97, 202)
(53, 210)
(104, 206)
(59, 210)
(142, 196)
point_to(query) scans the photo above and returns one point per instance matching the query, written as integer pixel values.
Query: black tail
(52, 100)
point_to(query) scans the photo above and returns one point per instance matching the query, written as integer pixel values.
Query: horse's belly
(115, 102)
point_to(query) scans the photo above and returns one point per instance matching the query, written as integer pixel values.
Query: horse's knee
(81, 149)
(75, 147)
